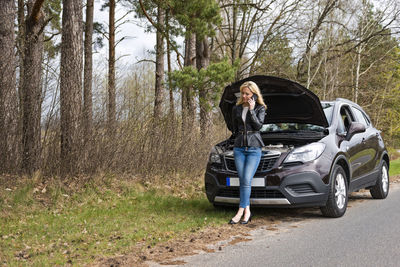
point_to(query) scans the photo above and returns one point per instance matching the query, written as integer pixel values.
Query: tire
(381, 189)
(336, 204)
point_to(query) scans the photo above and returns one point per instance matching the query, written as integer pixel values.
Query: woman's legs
(239, 162)
(246, 160)
(252, 159)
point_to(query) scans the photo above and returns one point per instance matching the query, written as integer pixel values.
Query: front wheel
(381, 189)
(338, 197)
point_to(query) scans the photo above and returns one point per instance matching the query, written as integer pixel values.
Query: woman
(247, 117)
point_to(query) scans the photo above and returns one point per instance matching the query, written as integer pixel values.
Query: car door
(370, 142)
(355, 146)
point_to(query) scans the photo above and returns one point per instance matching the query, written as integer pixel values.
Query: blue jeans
(246, 161)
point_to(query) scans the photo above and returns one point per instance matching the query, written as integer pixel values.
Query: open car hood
(286, 101)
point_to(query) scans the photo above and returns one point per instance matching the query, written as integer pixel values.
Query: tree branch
(255, 6)
(161, 31)
(35, 16)
(146, 60)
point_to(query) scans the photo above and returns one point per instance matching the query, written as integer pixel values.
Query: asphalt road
(367, 235)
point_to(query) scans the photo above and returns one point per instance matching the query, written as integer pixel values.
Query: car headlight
(305, 153)
(215, 155)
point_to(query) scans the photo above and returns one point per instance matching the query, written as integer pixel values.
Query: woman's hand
(252, 103)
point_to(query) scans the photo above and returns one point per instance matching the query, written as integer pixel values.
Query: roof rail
(347, 101)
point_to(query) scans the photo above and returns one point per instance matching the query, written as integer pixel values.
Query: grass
(47, 223)
(394, 167)
(79, 228)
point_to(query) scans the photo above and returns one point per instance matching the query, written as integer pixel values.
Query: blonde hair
(254, 89)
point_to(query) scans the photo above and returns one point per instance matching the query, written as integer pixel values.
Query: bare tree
(315, 27)
(369, 35)
(249, 27)
(8, 111)
(71, 84)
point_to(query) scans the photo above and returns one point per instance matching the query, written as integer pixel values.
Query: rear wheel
(338, 195)
(381, 189)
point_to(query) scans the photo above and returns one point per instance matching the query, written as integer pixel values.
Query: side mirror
(355, 128)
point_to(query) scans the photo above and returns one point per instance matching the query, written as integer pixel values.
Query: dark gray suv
(315, 152)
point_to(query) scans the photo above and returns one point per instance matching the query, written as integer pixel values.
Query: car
(315, 154)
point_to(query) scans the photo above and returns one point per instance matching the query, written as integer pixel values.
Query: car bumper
(253, 201)
(298, 189)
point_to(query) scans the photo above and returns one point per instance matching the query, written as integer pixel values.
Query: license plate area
(256, 182)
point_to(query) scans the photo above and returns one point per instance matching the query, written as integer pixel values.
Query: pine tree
(71, 85)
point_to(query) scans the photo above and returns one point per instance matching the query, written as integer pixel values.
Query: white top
(244, 113)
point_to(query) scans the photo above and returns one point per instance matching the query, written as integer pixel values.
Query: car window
(345, 119)
(367, 119)
(360, 117)
(341, 129)
(328, 109)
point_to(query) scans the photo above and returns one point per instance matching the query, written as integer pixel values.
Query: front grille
(230, 164)
(301, 189)
(255, 193)
(266, 163)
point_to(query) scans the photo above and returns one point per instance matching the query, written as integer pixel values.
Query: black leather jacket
(248, 134)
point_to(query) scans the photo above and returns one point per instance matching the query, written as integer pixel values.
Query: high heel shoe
(248, 220)
(233, 222)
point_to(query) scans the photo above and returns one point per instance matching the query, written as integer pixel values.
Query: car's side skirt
(364, 181)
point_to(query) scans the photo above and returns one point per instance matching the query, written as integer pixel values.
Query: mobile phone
(254, 97)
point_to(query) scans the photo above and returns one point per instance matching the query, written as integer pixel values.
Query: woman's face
(246, 94)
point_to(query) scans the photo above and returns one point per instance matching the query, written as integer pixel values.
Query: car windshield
(328, 109)
(296, 127)
(290, 127)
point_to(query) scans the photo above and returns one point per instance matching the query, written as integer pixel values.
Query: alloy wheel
(340, 191)
(385, 179)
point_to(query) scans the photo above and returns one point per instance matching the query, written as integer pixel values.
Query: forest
(64, 114)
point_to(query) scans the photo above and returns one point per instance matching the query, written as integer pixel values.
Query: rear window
(361, 117)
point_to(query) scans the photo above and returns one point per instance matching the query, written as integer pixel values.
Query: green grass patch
(79, 228)
(394, 167)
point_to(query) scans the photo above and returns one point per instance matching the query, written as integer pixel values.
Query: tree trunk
(71, 85)
(111, 69)
(202, 62)
(32, 87)
(159, 87)
(8, 115)
(21, 51)
(234, 32)
(171, 95)
(88, 68)
(188, 105)
(357, 81)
